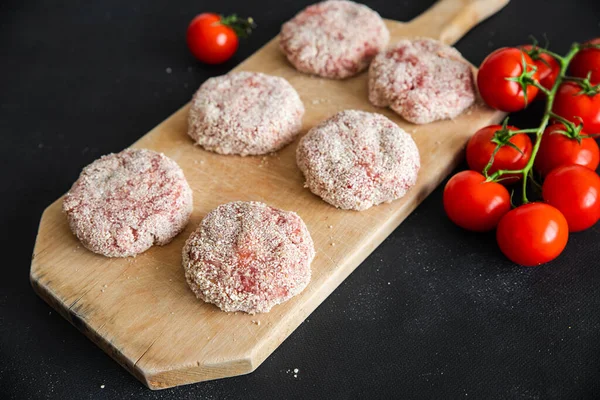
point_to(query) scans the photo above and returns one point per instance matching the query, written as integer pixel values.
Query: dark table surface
(434, 312)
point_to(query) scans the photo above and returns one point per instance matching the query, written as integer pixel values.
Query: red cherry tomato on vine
(570, 103)
(532, 234)
(575, 191)
(481, 147)
(586, 61)
(548, 68)
(557, 149)
(214, 39)
(499, 92)
(474, 204)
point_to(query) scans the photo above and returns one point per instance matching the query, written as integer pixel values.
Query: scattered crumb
(389, 283)
(255, 322)
(330, 226)
(332, 244)
(102, 386)
(296, 370)
(105, 285)
(102, 290)
(169, 70)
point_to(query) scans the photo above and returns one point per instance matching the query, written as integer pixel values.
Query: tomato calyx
(589, 45)
(502, 137)
(535, 52)
(570, 130)
(585, 84)
(526, 78)
(241, 26)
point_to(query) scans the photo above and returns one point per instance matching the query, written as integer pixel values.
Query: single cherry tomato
(474, 204)
(494, 83)
(548, 68)
(532, 234)
(557, 149)
(483, 143)
(214, 39)
(586, 61)
(575, 191)
(570, 103)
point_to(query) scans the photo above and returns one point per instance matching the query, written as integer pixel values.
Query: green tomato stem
(532, 130)
(541, 88)
(550, 53)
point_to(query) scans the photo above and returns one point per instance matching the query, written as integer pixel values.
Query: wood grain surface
(141, 311)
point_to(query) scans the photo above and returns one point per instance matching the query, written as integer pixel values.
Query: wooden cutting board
(141, 311)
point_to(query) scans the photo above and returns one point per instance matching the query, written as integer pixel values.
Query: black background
(435, 312)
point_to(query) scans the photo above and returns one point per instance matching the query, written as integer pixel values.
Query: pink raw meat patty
(245, 113)
(334, 39)
(247, 256)
(124, 203)
(422, 80)
(355, 160)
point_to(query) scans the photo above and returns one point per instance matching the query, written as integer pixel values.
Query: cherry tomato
(547, 67)
(209, 40)
(474, 204)
(575, 191)
(481, 147)
(499, 92)
(557, 149)
(585, 61)
(532, 234)
(570, 103)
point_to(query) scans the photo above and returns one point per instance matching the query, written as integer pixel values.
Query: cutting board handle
(449, 20)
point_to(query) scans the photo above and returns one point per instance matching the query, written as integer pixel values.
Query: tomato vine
(526, 172)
